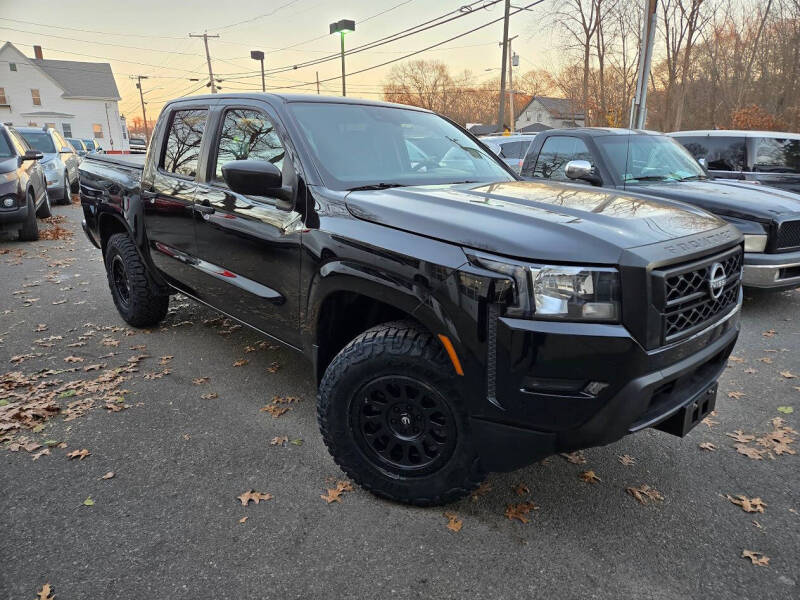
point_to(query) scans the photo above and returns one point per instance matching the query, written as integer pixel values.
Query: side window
(19, 142)
(513, 149)
(248, 134)
(556, 152)
(777, 155)
(183, 142)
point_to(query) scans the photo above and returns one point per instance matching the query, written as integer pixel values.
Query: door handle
(203, 209)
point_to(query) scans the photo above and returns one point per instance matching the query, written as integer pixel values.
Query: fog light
(8, 202)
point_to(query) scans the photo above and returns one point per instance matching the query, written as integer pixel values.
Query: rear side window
(721, 153)
(182, 150)
(556, 152)
(776, 155)
(513, 149)
(248, 134)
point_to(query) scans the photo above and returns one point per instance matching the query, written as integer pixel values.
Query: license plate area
(688, 416)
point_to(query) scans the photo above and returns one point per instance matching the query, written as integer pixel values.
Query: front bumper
(771, 271)
(11, 218)
(566, 386)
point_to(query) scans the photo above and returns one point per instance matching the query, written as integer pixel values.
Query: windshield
(75, 144)
(138, 141)
(40, 141)
(89, 144)
(357, 145)
(636, 158)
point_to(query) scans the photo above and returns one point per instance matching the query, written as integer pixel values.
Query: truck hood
(742, 200)
(530, 220)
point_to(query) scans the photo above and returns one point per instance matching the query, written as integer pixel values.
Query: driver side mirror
(583, 170)
(31, 155)
(257, 178)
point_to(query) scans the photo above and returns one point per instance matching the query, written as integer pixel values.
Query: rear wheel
(393, 418)
(29, 232)
(138, 301)
(66, 197)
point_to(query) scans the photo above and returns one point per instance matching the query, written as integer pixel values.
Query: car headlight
(755, 242)
(557, 292)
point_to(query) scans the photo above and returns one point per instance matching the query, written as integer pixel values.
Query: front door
(168, 197)
(248, 247)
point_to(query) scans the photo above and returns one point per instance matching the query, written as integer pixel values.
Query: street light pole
(259, 55)
(639, 103)
(341, 27)
(511, 58)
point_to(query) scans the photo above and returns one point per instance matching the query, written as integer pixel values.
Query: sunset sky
(150, 37)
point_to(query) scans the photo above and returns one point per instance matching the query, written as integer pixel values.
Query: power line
(116, 34)
(256, 18)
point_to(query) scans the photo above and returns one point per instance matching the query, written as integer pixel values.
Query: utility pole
(511, 83)
(138, 79)
(639, 104)
(205, 37)
(317, 83)
(502, 110)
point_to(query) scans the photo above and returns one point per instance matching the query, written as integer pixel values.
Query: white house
(552, 112)
(77, 98)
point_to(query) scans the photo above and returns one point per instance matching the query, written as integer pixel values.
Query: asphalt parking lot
(168, 523)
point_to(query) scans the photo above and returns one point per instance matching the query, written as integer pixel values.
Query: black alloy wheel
(121, 282)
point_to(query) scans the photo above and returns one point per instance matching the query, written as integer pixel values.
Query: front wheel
(138, 301)
(29, 232)
(393, 418)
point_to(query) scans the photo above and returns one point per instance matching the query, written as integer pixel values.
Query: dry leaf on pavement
(241, 362)
(627, 460)
(211, 396)
(521, 489)
(280, 440)
(46, 593)
(79, 454)
(645, 493)
(453, 522)
(482, 490)
(788, 375)
(589, 477)
(45, 452)
(520, 511)
(741, 436)
(750, 452)
(254, 496)
(756, 558)
(108, 475)
(165, 359)
(334, 494)
(736, 395)
(748, 504)
(201, 380)
(576, 458)
(769, 333)
(243, 520)
(73, 359)
(707, 446)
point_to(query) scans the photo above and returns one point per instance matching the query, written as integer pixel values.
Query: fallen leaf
(158, 375)
(108, 475)
(165, 359)
(787, 410)
(453, 522)
(707, 446)
(709, 422)
(79, 454)
(254, 496)
(741, 436)
(788, 375)
(626, 460)
(96, 367)
(243, 520)
(211, 396)
(273, 368)
(275, 410)
(735, 359)
(750, 370)
(201, 380)
(766, 359)
(756, 558)
(88, 501)
(482, 490)
(45, 452)
(589, 477)
(750, 505)
(138, 347)
(45, 593)
(736, 395)
(644, 493)
(520, 511)
(576, 458)
(279, 440)
(241, 362)
(749, 451)
(769, 333)
(521, 489)
(334, 494)
(41, 326)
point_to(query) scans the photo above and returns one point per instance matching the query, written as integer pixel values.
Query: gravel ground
(168, 524)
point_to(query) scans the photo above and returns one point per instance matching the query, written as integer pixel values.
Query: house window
(53, 125)
(98, 131)
(67, 129)
(37, 99)
(32, 124)
(3, 96)
(539, 116)
(12, 66)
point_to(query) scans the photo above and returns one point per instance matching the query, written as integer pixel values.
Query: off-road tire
(45, 210)
(140, 303)
(401, 349)
(29, 232)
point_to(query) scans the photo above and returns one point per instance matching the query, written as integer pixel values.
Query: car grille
(788, 235)
(683, 296)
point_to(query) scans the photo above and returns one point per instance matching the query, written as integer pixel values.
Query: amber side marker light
(451, 352)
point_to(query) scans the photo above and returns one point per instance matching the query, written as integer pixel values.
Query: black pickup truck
(458, 320)
(654, 164)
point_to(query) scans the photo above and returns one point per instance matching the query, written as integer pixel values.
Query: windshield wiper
(376, 186)
(650, 178)
(693, 178)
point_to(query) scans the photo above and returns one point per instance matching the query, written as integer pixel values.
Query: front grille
(788, 235)
(683, 294)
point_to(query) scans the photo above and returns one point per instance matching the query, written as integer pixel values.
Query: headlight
(754, 242)
(568, 293)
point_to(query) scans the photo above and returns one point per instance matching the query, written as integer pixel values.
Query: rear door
(248, 247)
(168, 189)
(776, 161)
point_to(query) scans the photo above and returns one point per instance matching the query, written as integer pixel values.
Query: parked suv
(23, 187)
(78, 146)
(60, 161)
(651, 163)
(457, 320)
(138, 145)
(768, 157)
(92, 146)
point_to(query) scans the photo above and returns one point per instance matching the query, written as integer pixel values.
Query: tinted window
(39, 140)
(248, 134)
(5, 147)
(89, 144)
(355, 145)
(513, 149)
(776, 155)
(76, 144)
(721, 153)
(640, 158)
(556, 152)
(183, 142)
